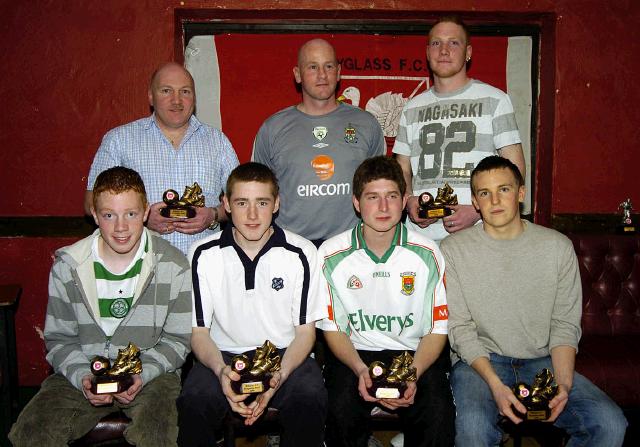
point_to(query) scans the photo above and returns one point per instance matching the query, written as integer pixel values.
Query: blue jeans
(590, 417)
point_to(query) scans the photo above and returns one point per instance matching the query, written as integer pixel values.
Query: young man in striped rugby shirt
(121, 284)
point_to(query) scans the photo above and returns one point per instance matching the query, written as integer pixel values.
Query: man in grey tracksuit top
(158, 322)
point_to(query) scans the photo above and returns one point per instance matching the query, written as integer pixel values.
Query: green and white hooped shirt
(116, 291)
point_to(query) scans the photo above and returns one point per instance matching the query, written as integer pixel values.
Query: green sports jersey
(389, 302)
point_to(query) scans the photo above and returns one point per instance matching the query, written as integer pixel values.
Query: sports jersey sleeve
(401, 144)
(310, 305)
(107, 156)
(202, 299)
(505, 127)
(440, 310)
(329, 295)
(329, 323)
(262, 146)
(378, 144)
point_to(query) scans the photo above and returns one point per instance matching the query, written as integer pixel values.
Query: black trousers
(428, 422)
(301, 401)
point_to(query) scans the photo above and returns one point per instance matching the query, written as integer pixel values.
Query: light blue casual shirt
(205, 155)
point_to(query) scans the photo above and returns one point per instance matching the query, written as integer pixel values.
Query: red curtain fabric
(256, 77)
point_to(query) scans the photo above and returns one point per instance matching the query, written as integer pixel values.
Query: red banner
(379, 74)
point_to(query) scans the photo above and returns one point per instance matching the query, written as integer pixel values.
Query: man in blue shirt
(171, 149)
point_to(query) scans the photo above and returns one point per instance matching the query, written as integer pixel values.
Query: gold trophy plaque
(117, 378)
(182, 207)
(391, 383)
(626, 225)
(256, 373)
(430, 208)
(536, 397)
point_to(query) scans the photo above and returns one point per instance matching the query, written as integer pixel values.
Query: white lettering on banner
(330, 189)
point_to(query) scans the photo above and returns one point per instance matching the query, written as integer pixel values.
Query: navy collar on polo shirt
(277, 239)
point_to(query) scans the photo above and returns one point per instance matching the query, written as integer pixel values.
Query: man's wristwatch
(215, 222)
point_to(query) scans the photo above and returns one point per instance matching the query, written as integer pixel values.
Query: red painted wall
(72, 70)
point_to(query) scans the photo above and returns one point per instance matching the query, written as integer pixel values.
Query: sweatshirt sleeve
(567, 310)
(173, 345)
(64, 351)
(463, 334)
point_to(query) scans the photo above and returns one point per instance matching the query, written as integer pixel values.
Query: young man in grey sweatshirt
(515, 303)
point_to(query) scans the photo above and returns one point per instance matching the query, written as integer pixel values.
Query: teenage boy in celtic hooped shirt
(385, 286)
(121, 284)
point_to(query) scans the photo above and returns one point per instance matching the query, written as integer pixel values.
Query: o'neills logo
(323, 166)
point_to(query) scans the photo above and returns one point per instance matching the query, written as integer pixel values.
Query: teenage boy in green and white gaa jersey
(385, 287)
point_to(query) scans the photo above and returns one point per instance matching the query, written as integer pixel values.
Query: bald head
(318, 73)
(172, 96)
(166, 68)
(313, 45)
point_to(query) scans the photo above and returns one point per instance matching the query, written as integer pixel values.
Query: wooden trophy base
(433, 213)
(627, 229)
(251, 385)
(387, 391)
(180, 212)
(537, 413)
(110, 384)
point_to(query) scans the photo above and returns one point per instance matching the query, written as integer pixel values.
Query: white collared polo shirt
(245, 302)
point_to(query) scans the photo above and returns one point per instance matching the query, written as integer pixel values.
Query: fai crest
(408, 282)
(354, 283)
(277, 284)
(350, 135)
(319, 132)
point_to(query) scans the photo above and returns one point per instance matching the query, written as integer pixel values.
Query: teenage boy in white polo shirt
(254, 282)
(386, 289)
